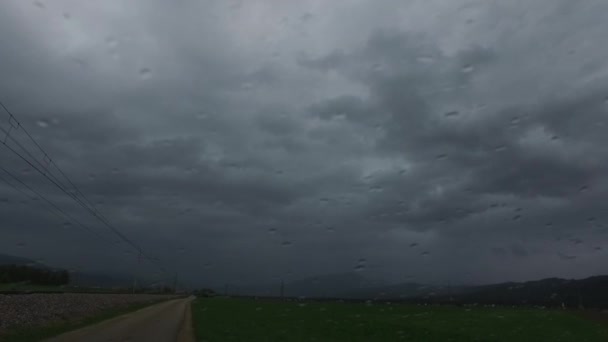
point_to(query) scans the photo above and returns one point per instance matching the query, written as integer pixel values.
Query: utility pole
(175, 283)
(282, 289)
(135, 271)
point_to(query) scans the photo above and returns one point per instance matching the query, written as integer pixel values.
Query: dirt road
(165, 322)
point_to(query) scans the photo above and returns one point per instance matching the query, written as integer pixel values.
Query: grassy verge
(221, 319)
(29, 287)
(31, 334)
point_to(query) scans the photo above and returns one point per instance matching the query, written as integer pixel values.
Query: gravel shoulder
(39, 310)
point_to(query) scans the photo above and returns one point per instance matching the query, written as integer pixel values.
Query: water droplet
(452, 113)
(402, 171)
(414, 244)
(500, 148)
(359, 268)
(566, 257)
(425, 59)
(377, 67)
(111, 42)
(468, 69)
(20, 244)
(330, 229)
(376, 188)
(441, 156)
(272, 231)
(67, 15)
(92, 176)
(39, 4)
(286, 243)
(80, 62)
(598, 248)
(470, 21)
(115, 170)
(323, 200)
(518, 210)
(583, 188)
(42, 123)
(425, 253)
(516, 217)
(302, 305)
(67, 224)
(145, 73)
(576, 241)
(555, 137)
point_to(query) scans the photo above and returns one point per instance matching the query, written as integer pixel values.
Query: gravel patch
(40, 309)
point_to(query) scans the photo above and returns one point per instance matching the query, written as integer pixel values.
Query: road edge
(186, 331)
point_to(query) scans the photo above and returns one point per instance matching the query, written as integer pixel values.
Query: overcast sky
(245, 141)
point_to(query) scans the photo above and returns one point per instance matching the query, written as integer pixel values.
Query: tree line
(33, 275)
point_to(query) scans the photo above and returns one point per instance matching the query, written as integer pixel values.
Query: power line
(56, 210)
(52, 207)
(46, 155)
(47, 175)
(90, 207)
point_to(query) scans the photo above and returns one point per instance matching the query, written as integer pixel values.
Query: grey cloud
(477, 140)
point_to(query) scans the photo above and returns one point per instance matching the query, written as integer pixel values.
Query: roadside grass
(224, 319)
(26, 286)
(32, 334)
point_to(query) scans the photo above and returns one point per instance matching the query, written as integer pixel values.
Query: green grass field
(222, 319)
(24, 286)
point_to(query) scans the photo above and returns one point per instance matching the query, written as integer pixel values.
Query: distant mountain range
(590, 292)
(14, 260)
(331, 285)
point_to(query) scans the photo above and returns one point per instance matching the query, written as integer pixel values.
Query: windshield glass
(353, 150)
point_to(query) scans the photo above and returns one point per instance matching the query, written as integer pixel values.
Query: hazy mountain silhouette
(6, 259)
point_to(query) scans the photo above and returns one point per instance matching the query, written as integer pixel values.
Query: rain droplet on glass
(468, 69)
(145, 73)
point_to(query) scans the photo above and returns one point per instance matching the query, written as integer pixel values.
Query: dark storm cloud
(469, 146)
